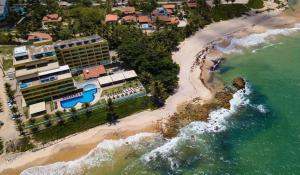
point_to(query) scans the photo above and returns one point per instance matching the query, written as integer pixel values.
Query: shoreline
(192, 84)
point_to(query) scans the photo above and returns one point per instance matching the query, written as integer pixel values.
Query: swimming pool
(88, 95)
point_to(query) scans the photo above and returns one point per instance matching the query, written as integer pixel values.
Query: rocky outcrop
(194, 112)
(239, 83)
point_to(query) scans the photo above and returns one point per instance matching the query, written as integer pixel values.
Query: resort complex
(44, 71)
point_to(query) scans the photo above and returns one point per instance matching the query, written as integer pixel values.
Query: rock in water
(239, 83)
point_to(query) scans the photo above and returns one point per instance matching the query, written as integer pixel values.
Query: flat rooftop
(19, 51)
(77, 41)
(34, 53)
(49, 78)
(37, 107)
(40, 49)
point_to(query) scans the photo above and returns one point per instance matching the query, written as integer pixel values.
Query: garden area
(93, 118)
(119, 89)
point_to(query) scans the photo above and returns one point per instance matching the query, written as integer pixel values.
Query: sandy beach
(190, 87)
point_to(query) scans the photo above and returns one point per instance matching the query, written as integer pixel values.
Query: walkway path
(8, 131)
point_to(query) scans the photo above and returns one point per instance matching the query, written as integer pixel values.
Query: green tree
(88, 111)
(32, 121)
(14, 110)
(47, 120)
(60, 120)
(111, 115)
(158, 93)
(58, 114)
(73, 113)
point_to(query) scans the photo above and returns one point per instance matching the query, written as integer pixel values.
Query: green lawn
(7, 49)
(97, 117)
(7, 63)
(256, 4)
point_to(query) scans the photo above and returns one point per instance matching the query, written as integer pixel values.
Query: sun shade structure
(105, 81)
(37, 109)
(129, 74)
(117, 77)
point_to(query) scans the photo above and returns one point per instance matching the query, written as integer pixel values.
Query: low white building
(37, 109)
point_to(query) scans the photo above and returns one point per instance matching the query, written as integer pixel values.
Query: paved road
(8, 131)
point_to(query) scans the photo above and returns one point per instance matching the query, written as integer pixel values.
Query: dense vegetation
(256, 4)
(95, 118)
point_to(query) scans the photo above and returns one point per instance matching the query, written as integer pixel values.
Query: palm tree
(158, 93)
(73, 113)
(58, 114)
(60, 120)
(14, 110)
(20, 128)
(111, 115)
(86, 106)
(32, 121)
(47, 120)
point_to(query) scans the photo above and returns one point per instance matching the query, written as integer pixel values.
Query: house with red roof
(128, 10)
(129, 19)
(51, 20)
(38, 36)
(111, 18)
(170, 20)
(191, 3)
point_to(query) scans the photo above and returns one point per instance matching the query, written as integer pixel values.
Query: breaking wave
(103, 152)
(216, 123)
(236, 44)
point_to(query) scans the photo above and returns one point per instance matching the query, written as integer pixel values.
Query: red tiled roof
(128, 10)
(52, 18)
(192, 3)
(39, 35)
(94, 72)
(128, 19)
(144, 19)
(169, 6)
(168, 19)
(111, 18)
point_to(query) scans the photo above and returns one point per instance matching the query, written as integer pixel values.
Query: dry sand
(190, 87)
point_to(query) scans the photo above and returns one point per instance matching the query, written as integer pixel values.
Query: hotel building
(38, 74)
(83, 52)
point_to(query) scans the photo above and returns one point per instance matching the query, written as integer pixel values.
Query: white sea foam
(267, 46)
(216, 123)
(103, 152)
(254, 39)
(262, 108)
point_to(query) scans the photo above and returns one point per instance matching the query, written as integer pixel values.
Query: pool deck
(79, 105)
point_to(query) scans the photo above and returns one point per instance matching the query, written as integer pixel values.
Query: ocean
(260, 134)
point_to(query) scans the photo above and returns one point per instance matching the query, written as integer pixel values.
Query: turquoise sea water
(262, 137)
(269, 144)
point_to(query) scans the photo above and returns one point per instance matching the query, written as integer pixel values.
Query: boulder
(239, 83)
